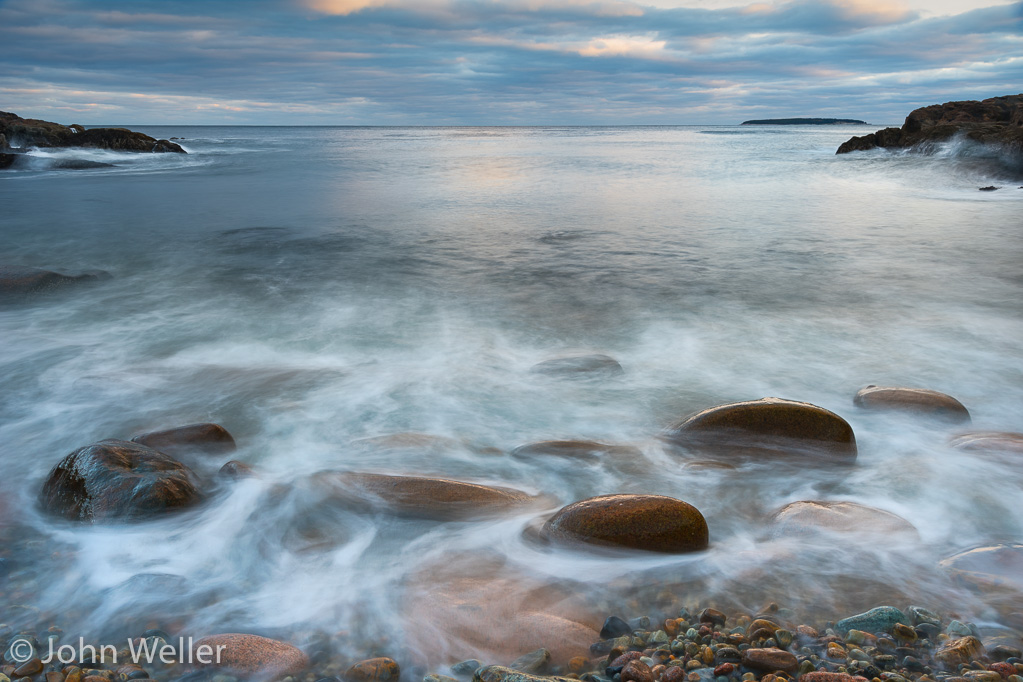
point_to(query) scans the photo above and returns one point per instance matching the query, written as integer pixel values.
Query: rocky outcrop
(765, 427)
(998, 120)
(21, 281)
(29, 132)
(653, 523)
(117, 480)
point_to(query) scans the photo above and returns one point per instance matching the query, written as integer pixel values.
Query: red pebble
(625, 658)
(674, 673)
(1003, 669)
(724, 669)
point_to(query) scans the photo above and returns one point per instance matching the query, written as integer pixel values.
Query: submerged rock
(235, 471)
(998, 567)
(497, 673)
(996, 121)
(807, 516)
(118, 480)
(205, 437)
(765, 426)
(989, 441)
(958, 651)
(770, 659)
(374, 670)
(19, 281)
(653, 523)
(877, 619)
(574, 449)
(438, 499)
(918, 400)
(595, 364)
(252, 655)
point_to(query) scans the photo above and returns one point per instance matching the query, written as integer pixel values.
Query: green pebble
(658, 637)
(678, 647)
(921, 615)
(692, 634)
(4, 678)
(638, 641)
(784, 638)
(721, 678)
(806, 667)
(748, 677)
(856, 637)
(859, 655)
(1014, 678)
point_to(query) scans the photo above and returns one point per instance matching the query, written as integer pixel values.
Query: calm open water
(306, 287)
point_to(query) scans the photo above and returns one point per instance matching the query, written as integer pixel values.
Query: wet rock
(373, 670)
(808, 516)
(419, 497)
(574, 449)
(636, 671)
(236, 471)
(533, 662)
(409, 440)
(653, 523)
(29, 668)
(989, 441)
(497, 673)
(919, 615)
(16, 281)
(997, 567)
(709, 464)
(765, 426)
(118, 480)
(958, 651)
(877, 619)
(713, 616)
(769, 660)
(252, 655)
(917, 400)
(467, 667)
(30, 132)
(989, 188)
(615, 627)
(673, 674)
(821, 676)
(595, 364)
(207, 438)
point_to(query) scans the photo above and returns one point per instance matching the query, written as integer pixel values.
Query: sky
(500, 62)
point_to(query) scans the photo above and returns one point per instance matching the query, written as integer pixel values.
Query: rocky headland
(19, 134)
(996, 121)
(803, 122)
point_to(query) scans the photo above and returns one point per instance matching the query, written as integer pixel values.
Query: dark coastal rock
(533, 662)
(373, 670)
(77, 164)
(21, 281)
(768, 425)
(770, 660)
(653, 523)
(997, 567)
(996, 121)
(614, 627)
(7, 160)
(118, 480)
(418, 497)
(989, 441)
(252, 655)
(877, 619)
(918, 400)
(207, 438)
(27, 132)
(595, 364)
(497, 673)
(808, 516)
(573, 449)
(989, 188)
(236, 471)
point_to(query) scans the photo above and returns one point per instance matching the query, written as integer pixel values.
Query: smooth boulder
(920, 401)
(22, 281)
(118, 480)
(654, 523)
(208, 438)
(438, 499)
(808, 516)
(570, 366)
(252, 655)
(1005, 442)
(765, 426)
(996, 567)
(573, 449)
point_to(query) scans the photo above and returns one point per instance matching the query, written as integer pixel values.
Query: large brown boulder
(654, 523)
(16, 280)
(250, 656)
(207, 438)
(808, 516)
(766, 426)
(998, 120)
(118, 480)
(30, 132)
(917, 400)
(438, 499)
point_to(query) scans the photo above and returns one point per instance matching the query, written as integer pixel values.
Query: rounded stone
(992, 567)
(212, 439)
(989, 441)
(807, 516)
(252, 655)
(573, 449)
(767, 426)
(373, 670)
(116, 479)
(917, 400)
(654, 523)
(420, 497)
(236, 471)
(579, 366)
(769, 660)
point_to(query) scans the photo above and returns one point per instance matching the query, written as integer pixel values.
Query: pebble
(380, 669)
(533, 662)
(614, 627)
(878, 619)
(769, 659)
(466, 667)
(29, 668)
(636, 671)
(955, 652)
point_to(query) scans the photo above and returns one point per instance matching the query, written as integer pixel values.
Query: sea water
(310, 287)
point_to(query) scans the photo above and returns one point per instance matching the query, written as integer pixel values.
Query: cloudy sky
(425, 62)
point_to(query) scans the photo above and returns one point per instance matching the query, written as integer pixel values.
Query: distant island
(803, 122)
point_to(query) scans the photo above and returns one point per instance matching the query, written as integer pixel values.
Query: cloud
(644, 47)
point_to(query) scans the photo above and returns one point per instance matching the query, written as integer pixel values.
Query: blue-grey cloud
(497, 62)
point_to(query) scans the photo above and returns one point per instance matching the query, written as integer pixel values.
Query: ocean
(312, 287)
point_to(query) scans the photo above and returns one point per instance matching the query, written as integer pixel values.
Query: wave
(81, 159)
